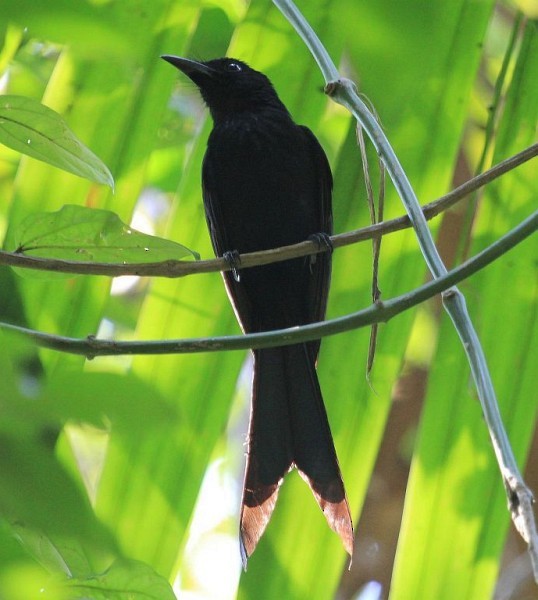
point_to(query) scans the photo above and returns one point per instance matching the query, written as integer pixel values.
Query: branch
(179, 268)
(376, 313)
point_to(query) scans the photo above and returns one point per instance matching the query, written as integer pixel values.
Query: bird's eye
(233, 66)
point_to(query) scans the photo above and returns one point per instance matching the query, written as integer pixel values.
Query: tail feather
(269, 448)
(314, 453)
(289, 427)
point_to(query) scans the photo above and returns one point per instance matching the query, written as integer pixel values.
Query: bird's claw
(323, 240)
(233, 260)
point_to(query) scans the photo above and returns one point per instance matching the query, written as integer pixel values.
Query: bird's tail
(289, 427)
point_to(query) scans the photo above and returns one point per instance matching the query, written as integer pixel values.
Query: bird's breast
(261, 177)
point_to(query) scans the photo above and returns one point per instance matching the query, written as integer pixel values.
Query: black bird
(267, 183)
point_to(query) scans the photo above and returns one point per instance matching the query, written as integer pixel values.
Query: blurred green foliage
(102, 462)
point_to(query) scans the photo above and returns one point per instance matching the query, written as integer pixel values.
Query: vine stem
(344, 92)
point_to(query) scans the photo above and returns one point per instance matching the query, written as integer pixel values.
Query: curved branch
(344, 92)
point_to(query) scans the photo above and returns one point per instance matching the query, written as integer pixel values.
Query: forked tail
(289, 427)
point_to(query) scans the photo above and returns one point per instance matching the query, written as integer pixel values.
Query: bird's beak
(191, 68)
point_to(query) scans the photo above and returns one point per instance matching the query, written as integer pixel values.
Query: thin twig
(376, 247)
(179, 268)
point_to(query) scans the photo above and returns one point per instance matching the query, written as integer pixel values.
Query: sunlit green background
(102, 462)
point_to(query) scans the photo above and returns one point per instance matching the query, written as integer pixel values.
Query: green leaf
(91, 235)
(125, 580)
(60, 529)
(123, 402)
(31, 128)
(21, 416)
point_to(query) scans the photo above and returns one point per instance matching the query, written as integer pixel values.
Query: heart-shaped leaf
(87, 234)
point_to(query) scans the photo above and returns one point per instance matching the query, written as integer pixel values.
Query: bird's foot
(322, 240)
(234, 261)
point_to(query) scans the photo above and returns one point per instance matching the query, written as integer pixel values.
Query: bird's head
(228, 85)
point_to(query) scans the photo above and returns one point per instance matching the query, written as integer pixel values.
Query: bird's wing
(212, 210)
(321, 265)
(221, 245)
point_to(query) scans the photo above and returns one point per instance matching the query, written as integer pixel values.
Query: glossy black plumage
(267, 183)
